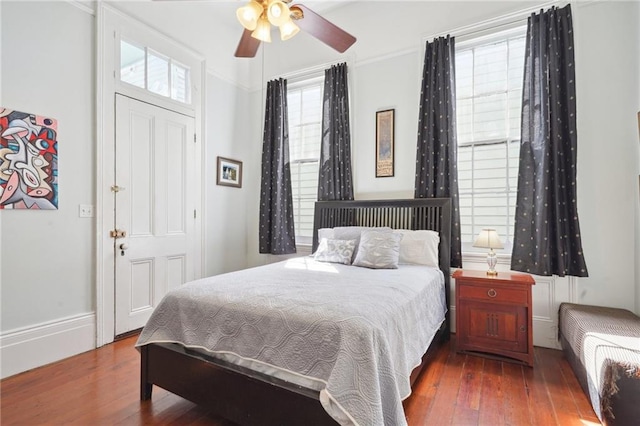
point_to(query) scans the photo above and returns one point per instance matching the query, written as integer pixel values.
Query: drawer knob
(492, 293)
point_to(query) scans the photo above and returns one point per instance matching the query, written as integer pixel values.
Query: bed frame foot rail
(237, 397)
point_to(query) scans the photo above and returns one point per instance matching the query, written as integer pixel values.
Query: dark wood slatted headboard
(422, 213)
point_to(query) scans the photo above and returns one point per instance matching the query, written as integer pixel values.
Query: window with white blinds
(305, 125)
(489, 74)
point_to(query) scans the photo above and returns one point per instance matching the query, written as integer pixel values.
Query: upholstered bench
(603, 348)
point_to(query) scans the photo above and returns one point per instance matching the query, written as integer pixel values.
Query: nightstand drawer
(493, 293)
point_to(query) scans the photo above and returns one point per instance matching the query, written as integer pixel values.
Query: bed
(335, 360)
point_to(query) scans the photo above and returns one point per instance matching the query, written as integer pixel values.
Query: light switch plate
(85, 210)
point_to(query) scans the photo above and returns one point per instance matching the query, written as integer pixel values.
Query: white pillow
(419, 247)
(378, 250)
(335, 251)
(325, 233)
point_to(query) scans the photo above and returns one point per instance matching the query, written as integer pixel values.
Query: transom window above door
(152, 71)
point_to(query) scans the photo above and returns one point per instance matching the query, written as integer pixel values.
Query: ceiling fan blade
(248, 46)
(322, 29)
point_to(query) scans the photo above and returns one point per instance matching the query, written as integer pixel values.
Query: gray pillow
(353, 233)
(378, 250)
(335, 251)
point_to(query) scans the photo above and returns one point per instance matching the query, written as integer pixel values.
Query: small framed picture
(384, 143)
(229, 172)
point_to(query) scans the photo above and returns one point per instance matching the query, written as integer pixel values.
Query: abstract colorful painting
(28, 161)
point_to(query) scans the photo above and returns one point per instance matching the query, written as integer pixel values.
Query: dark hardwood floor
(101, 387)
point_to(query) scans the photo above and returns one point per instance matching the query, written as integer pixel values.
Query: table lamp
(489, 238)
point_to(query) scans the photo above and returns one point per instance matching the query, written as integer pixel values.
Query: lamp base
(492, 260)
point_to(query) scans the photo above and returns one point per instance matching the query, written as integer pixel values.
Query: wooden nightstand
(493, 314)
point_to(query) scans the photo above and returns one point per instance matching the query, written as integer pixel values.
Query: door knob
(123, 247)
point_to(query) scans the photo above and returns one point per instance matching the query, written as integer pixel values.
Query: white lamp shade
(278, 13)
(288, 30)
(263, 30)
(249, 15)
(488, 238)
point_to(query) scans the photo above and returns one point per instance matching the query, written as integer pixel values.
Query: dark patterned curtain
(335, 182)
(277, 235)
(436, 158)
(547, 232)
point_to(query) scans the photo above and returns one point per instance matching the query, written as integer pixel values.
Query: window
(489, 75)
(152, 71)
(304, 100)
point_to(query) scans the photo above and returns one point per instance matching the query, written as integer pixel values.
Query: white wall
(228, 135)
(254, 162)
(389, 84)
(52, 75)
(385, 71)
(208, 27)
(47, 264)
(382, 29)
(637, 55)
(48, 256)
(0, 214)
(608, 80)
(607, 85)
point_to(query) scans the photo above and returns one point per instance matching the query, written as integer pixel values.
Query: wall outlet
(85, 210)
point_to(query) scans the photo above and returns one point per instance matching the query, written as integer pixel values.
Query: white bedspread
(355, 333)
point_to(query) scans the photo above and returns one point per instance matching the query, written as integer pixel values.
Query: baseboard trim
(30, 347)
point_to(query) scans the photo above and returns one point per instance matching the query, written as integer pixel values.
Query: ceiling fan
(257, 16)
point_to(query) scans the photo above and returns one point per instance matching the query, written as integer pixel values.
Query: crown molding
(83, 6)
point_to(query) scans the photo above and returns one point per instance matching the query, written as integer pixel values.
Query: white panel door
(155, 166)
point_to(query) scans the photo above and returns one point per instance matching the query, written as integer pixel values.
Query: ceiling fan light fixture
(263, 30)
(288, 30)
(249, 14)
(293, 18)
(278, 12)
